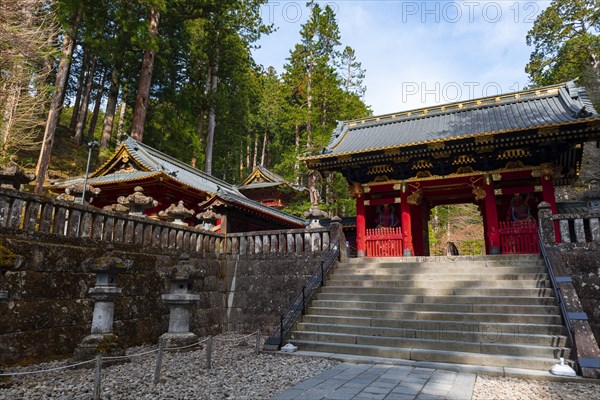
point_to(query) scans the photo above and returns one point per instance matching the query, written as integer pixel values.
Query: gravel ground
(237, 373)
(491, 388)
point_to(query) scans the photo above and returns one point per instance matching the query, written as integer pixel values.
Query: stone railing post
(180, 301)
(337, 237)
(102, 339)
(546, 224)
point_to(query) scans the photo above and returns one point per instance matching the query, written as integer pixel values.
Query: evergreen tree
(566, 44)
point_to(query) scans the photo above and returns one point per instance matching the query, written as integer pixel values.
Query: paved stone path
(372, 382)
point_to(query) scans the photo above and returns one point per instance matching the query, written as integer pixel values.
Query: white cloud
(400, 44)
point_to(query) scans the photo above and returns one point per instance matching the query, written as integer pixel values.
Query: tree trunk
(9, 116)
(98, 100)
(80, 85)
(309, 97)
(248, 152)
(255, 150)
(111, 107)
(141, 102)
(83, 107)
(241, 160)
(264, 150)
(210, 135)
(68, 43)
(122, 110)
(297, 148)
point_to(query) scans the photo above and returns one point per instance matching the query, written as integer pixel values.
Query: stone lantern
(102, 339)
(592, 196)
(180, 300)
(12, 176)
(314, 215)
(176, 214)
(208, 219)
(74, 192)
(137, 202)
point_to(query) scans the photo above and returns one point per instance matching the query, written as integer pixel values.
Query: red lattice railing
(384, 242)
(519, 237)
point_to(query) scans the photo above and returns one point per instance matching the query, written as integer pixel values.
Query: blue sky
(419, 53)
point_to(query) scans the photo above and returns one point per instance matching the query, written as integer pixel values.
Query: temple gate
(505, 154)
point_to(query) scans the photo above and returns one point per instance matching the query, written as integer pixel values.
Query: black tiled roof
(159, 163)
(549, 106)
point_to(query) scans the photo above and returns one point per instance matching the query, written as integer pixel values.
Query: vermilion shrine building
(270, 188)
(504, 153)
(170, 181)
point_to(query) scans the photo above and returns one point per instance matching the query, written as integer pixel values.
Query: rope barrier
(233, 340)
(129, 356)
(124, 357)
(41, 371)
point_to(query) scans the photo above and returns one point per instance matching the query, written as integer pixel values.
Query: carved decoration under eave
(356, 190)
(479, 193)
(380, 169)
(549, 171)
(465, 170)
(514, 165)
(423, 174)
(463, 159)
(415, 198)
(381, 178)
(422, 164)
(514, 153)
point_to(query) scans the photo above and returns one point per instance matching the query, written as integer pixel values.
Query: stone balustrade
(578, 228)
(21, 211)
(278, 242)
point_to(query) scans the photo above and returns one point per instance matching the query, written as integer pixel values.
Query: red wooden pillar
(406, 225)
(361, 227)
(549, 197)
(491, 219)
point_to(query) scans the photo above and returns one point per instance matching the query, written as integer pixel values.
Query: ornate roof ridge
(470, 104)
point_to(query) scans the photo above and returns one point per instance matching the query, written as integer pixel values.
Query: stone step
(516, 328)
(455, 307)
(438, 284)
(437, 315)
(523, 337)
(440, 277)
(499, 259)
(456, 357)
(424, 291)
(479, 273)
(512, 349)
(437, 299)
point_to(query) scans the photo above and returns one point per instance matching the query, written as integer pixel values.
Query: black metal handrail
(558, 295)
(298, 306)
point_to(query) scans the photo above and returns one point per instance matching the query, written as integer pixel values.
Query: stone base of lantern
(174, 340)
(106, 344)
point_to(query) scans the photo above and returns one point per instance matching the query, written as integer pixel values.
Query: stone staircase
(488, 310)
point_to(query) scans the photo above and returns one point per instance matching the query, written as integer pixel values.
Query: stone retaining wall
(48, 312)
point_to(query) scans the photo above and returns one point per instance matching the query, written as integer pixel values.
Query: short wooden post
(97, 376)
(209, 346)
(158, 363)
